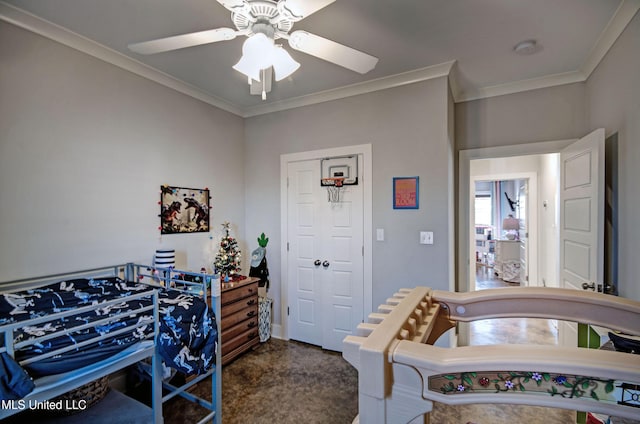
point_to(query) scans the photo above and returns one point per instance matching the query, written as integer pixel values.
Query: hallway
(509, 330)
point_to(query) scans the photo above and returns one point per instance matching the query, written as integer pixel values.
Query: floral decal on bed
(563, 385)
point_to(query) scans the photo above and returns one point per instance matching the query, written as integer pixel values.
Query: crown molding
(619, 21)
(454, 85)
(423, 74)
(35, 24)
(520, 86)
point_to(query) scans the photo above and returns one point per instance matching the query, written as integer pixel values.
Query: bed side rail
(403, 374)
(600, 381)
(586, 307)
(28, 283)
(196, 283)
(8, 331)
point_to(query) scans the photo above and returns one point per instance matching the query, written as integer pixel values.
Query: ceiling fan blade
(302, 8)
(235, 5)
(185, 40)
(332, 52)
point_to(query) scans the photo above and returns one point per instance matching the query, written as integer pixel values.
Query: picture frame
(184, 210)
(406, 192)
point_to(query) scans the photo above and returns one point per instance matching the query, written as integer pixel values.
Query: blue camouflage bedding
(186, 340)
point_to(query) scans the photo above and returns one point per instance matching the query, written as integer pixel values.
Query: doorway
(506, 154)
(504, 220)
(311, 303)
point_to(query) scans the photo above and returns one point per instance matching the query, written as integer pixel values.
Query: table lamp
(511, 225)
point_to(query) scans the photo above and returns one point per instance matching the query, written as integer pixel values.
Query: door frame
(367, 222)
(532, 214)
(464, 194)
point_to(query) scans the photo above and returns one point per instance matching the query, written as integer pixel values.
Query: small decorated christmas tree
(227, 262)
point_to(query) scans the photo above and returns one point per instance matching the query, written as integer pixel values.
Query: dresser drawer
(243, 338)
(229, 296)
(239, 328)
(232, 308)
(230, 320)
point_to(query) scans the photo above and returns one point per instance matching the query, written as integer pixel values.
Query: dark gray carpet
(280, 382)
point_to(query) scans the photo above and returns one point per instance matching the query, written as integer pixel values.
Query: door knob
(317, 262)
(587, 286)
(325, 264)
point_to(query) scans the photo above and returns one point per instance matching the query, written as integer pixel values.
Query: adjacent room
(284, 171)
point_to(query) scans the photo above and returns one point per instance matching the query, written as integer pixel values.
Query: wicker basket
(83, 397)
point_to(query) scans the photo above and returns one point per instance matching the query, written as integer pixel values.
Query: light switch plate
(380, 234)
(426, 237)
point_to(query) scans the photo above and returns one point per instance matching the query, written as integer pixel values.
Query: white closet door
(325, 259)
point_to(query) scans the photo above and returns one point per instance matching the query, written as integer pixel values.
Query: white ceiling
(413, 39)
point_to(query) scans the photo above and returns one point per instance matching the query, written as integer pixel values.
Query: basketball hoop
(334, 186)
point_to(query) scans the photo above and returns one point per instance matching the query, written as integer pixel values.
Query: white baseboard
(276, 331)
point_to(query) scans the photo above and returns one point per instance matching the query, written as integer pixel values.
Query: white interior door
(523, 231)
(325, 266)
(304, 245)
(581, 219)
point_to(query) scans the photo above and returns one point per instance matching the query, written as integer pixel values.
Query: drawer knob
(325, 264)
(252, 324)
(317, 262)
(251, 302)
(251, 313)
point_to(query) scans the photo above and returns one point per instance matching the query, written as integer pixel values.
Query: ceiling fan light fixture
(283, 64)
(257, 54)
(247, 67)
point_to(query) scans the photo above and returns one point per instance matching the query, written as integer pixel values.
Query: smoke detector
(527, 47)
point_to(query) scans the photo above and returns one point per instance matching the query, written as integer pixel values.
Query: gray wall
(84, 149)
(613, 103)
(555, 113)
(407, 128)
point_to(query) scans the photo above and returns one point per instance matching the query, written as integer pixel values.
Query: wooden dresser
(239, 321)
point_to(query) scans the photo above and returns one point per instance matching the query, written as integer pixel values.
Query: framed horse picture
(184, 210)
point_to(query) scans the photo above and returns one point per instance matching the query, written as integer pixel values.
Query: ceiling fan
(263, 22)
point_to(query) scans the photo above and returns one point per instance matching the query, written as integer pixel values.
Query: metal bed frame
(50, 386)
(174, 279)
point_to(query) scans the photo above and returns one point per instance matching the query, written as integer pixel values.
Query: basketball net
(334, 187)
